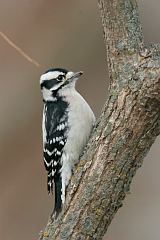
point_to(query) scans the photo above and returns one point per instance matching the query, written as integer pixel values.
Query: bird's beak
(77, 74)
(74, 76)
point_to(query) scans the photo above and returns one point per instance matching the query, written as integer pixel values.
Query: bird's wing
(56, 132)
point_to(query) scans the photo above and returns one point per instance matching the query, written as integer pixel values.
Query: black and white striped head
(55, 79)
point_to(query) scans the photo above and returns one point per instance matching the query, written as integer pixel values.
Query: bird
(67, 123)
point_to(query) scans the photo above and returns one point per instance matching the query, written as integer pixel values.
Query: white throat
(47, 95)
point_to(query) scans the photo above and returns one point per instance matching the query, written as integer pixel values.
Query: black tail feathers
(58, 200)
(50, 183)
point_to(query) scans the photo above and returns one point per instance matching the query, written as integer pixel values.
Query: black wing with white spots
(56, 133)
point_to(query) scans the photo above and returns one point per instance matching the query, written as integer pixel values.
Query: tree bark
(124, 133)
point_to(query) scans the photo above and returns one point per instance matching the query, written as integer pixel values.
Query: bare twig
(19, 50)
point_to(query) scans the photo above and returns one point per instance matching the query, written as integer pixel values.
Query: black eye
(60, 77)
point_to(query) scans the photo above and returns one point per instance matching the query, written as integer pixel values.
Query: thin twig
(19, 50)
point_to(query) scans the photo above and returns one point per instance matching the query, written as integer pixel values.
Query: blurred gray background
(67, 34)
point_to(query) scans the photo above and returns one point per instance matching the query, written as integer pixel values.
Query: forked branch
(124, 133)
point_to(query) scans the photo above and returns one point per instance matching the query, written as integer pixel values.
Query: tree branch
(124, 133)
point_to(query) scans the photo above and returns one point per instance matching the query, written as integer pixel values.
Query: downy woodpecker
(66, 125)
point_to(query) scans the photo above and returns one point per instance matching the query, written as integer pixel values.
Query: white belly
(81, 120)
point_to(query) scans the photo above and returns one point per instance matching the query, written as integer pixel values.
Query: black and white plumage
(67, 124)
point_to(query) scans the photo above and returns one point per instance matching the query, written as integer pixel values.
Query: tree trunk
(124, 133)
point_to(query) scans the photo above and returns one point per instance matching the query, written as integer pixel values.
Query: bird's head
(53, 80)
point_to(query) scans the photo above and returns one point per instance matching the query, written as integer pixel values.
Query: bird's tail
(58, 200)
(50, 182)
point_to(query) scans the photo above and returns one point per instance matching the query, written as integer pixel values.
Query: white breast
(81, 120)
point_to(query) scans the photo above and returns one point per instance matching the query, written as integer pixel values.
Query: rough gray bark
(124, 133)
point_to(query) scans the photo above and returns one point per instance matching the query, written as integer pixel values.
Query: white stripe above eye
(50, 75)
